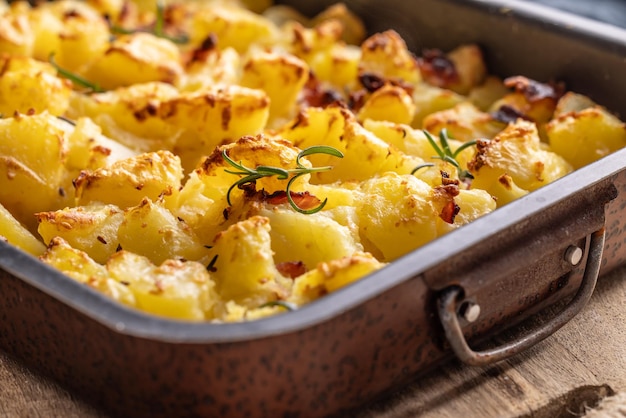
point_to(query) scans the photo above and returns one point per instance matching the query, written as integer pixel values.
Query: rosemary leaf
(74, 78)
(252, 175)
(282, 303)
(419, 167)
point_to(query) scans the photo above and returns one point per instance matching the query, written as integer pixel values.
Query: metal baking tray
(387, 329)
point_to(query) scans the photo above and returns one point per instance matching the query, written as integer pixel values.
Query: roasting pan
(387, 329)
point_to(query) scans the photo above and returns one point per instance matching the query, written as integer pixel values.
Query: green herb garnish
(444, 152)
(252, 175)
(419, 167)
(282, 303)
(158, 28)
(74, 78)
(211, 267)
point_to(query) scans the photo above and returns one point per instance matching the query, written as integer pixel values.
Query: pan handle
(448, 314)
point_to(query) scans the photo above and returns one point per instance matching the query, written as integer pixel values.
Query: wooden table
(563, 376)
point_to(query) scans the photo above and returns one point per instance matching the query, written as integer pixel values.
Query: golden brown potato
(31, 180)
(30, 86)
(191, 124)
(430, 99)
(71, 30)
(463, 122)
(585, 136)
(175, 289)
(389, 103)
(233, 26)
(365, 155)
(396, 215)
(386, 55)
(91, 229)
(127, 182)
(144, 58)
(77, 265)
(15, 233)
(281, 76)
(518, 155)
(16, 33)
(152, 231)
(245, 271)
(328, 277)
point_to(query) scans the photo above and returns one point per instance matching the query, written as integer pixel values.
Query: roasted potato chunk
(30, 86)
(80, 267)
(263, 69)
(396, 215)
(31, 180)
(245, 270)
(340, 129)
(144, 58)
(127, 182)
(16, 234)
(91, 229)
(330, 276)
(585, 136)
(517, 154)
(151, 230)
(175, 289)
(387, 55)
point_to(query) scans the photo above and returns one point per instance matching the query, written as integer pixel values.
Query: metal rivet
(573, 255)
(470, 311)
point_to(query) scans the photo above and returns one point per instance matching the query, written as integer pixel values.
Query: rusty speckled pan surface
(353, 345)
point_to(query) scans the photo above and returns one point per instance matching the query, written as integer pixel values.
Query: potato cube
(281, 76)
(30, 86)
(310, 239)
(175, 289)
(470, 67)
(585, 136)
(16, 33)
(71, 30)
(156, 116)
(233, 26)
(330, 276)
(365, 155)
(463, 122)
(338, 65)
(77, 265)
(396, 215)
(128, 115)
(126, 182)
(517, 153)
(388, 103)
(387, 55)
(91, 229)
(430, 99)
(89, 149)
(472, 204)
(152, 231)
(144, 58)
(484, 95)
(16, 234)
(245, 270)
(31, 180)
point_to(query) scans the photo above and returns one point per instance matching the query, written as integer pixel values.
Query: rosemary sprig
(211, 266)
(252, 175)
(444, 152)
(158, 28)
(419, 167)
(282, 303)
(74, 78)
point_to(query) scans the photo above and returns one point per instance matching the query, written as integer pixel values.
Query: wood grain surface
(564, 376)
